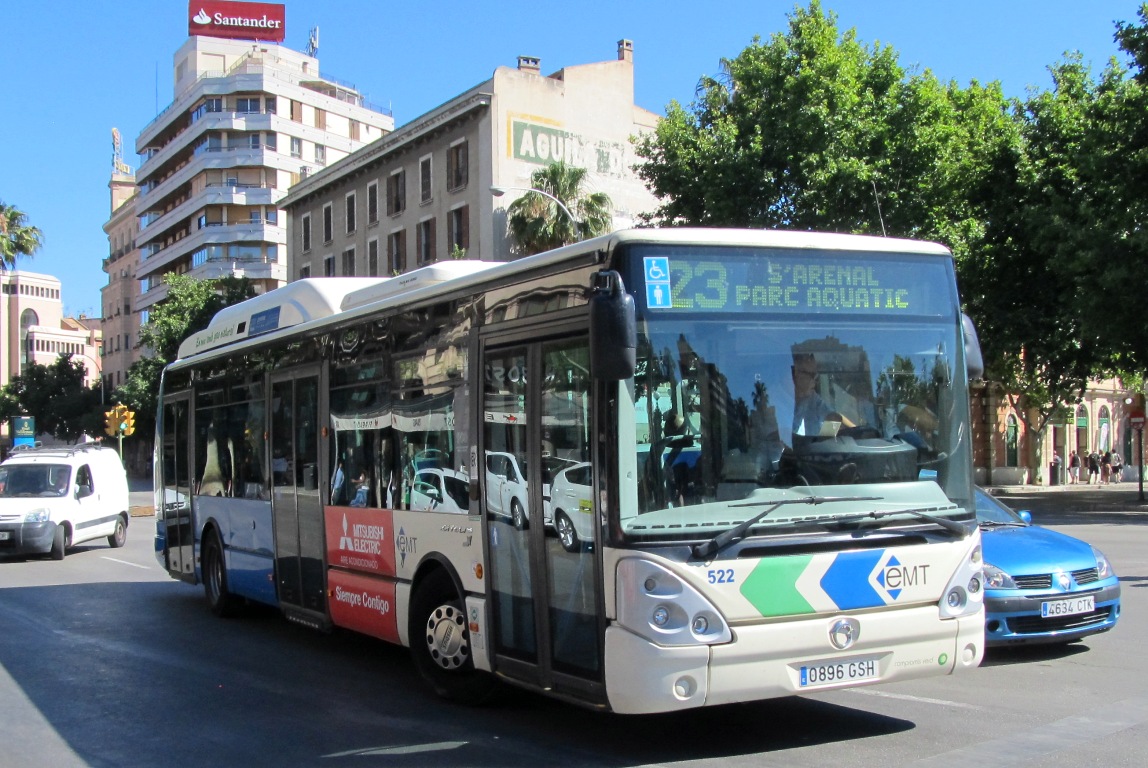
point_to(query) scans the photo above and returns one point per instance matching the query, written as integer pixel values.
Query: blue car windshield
(989, 510)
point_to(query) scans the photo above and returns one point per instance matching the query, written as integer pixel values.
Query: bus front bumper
(786, 658)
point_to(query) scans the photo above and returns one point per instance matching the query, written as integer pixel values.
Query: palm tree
(16, 238)
(538, 224)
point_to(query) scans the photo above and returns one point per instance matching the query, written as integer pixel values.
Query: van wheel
(221, 602)
(119, 535)
(440, 643)
(60, 542)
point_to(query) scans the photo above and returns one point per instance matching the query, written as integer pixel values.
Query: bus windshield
(855, 392)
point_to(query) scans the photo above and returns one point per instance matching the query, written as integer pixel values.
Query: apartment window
(350, 209)
(424, 241)
(329, 266)
(296, 111)
(458, 228)
(373, 258)
(271, 141)
(457, 171)
(253, 141)
(349, 262)
(296, 146)
(354, 132)
(320, 154)
(305, 226)
(127, 307)
(397, 192)
(328, 226)
(320, 119)
(425, 179)
(304, 271)
(247, 105)
(373, 202)
(397, 252)
(270, 105)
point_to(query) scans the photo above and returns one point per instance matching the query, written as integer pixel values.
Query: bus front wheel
(440, 642)
(221, 602)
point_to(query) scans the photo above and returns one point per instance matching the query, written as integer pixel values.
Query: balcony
(164, 259)
(212, 121)
(221, 158)
(214, 194)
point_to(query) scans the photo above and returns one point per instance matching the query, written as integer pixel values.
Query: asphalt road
(104, 661)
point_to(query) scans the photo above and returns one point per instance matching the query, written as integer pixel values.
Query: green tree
(189, 307)
(56, 397)
(1022, 283)
(815, 131)
(537, 224)
(17, 237)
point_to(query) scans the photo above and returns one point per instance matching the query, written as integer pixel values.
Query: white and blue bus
(655, 470)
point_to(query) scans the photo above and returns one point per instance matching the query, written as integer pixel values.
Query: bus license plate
(843, 671)
(1050, 608)
(5, 535)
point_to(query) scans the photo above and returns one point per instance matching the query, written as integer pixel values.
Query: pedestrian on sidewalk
(1106, 467)
(1093, 468)
(1074, 468)
(1117, 467)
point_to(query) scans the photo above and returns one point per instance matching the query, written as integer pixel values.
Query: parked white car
(572, 504)
(506, 488)
(53, 498)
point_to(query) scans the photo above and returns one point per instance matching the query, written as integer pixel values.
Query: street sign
(1137, 421)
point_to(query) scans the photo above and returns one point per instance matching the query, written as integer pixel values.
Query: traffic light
(129, 422)
(111, 423)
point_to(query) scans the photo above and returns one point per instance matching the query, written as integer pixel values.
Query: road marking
(1024, 748)
(125, 562)
(916, 699)
(407, 750)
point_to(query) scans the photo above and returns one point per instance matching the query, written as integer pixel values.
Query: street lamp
(500, 191)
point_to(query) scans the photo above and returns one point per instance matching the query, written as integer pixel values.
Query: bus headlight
(659, 606)
(964, 594)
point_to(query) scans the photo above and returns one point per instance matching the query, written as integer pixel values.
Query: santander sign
(241, 21)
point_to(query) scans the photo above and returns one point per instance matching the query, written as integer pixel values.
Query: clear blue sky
(76, 69)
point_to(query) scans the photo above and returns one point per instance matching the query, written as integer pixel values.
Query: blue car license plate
(1053, 608)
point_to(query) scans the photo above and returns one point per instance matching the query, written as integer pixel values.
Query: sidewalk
(1118, 497)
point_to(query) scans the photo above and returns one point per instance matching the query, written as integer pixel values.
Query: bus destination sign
(790, 283)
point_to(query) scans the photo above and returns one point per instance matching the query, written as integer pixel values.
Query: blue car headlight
(41, 515)
(1103, 568)
(995, 578)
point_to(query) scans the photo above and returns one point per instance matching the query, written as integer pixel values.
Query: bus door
(296, 505)
(539, 504)
(174, 518)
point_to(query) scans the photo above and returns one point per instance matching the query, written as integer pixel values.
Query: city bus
(655, 470)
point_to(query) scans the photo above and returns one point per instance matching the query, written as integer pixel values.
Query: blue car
(1041, 586)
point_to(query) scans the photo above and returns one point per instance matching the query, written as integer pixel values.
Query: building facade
(118, 298)
(33, 329)
(1007, 452)
(423, 193)
(248, 120)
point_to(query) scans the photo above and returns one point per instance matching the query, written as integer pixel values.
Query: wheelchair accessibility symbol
(658, 293)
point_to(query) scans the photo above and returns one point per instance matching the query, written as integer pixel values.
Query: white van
(52, 498)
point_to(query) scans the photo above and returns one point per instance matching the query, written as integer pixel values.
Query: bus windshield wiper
(921, 514)
(737, 533)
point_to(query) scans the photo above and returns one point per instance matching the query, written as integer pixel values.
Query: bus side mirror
(974, 361)
(613, 328)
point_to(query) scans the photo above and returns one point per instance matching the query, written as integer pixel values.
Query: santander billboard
(239, 21)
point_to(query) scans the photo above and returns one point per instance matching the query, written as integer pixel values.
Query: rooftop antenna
(313, 42)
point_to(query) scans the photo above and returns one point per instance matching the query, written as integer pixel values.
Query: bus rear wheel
(440, 642)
